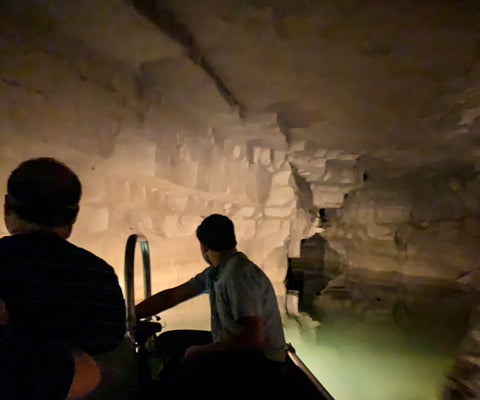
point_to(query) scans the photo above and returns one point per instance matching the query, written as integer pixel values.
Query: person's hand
(193, 352)
(87, 375)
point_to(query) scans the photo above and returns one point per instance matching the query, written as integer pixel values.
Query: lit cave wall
(158, 143)
(153, 141)
(292, 123)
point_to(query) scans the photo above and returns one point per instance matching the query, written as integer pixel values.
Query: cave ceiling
(365, 76)
(391, 79)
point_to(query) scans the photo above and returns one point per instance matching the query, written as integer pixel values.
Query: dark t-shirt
(59, 291)
(33, 370)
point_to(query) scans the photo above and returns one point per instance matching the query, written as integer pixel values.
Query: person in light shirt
(243, 305)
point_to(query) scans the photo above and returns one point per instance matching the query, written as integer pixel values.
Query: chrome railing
(130, 276)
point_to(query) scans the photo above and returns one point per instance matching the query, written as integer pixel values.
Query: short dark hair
(44, 191)
(217, 233)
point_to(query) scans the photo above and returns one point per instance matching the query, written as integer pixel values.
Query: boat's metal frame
(299, 363)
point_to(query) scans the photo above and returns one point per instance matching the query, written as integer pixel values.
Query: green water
(360, 361)
(353, 359)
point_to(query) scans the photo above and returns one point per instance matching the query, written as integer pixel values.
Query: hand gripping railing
(130, 278)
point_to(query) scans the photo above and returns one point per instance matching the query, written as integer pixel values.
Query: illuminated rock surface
(355, 119)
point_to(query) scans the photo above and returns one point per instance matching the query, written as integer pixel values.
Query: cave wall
(409, 236)
(154, 143)
(317, 117)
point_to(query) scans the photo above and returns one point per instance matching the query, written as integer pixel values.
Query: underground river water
(366, 361)
(354, 359)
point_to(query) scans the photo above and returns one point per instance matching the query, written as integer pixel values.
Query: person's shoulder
(12, 245)
(32, 242)
(240, 265)
(89, 257)
(6, 241)
(203, 275)
(207, 270)
(81, 251)
(240, 260)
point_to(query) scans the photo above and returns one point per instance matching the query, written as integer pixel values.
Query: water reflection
(352, 358)
(367, 361)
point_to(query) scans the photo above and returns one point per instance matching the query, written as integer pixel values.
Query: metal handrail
(130, 276)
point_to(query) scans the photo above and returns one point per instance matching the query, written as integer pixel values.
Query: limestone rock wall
(157, 145)
(410, 236)
(153, 141)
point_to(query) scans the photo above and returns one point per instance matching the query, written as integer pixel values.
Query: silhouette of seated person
(58, 295)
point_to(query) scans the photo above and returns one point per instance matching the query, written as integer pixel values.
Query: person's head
(216, 235)
(42, 194)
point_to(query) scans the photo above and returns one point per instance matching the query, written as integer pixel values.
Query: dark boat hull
(231, 375)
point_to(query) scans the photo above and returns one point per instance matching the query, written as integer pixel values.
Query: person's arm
(165, 299)
(86, 375)
(34, 367)
(251, 336)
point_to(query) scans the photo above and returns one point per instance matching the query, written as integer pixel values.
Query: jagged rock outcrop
(410, 235)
